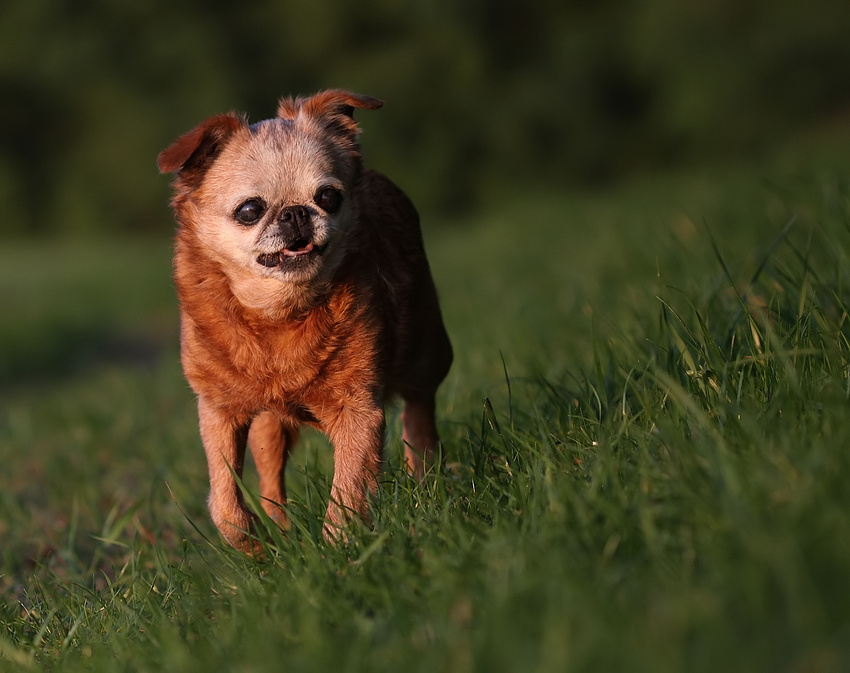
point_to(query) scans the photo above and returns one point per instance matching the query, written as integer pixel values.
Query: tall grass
(673, 497)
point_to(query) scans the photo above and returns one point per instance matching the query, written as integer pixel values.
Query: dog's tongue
(298, 248)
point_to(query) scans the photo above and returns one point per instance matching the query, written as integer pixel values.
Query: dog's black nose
(295, 224)
(294, 215)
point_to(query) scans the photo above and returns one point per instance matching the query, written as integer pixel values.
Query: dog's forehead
(279, 141)
(273, 157)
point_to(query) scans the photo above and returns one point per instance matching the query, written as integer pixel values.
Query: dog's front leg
(357, 434)
(224, 438)
(271, 440)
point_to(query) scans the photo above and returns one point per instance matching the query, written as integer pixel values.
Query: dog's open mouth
(300, 250)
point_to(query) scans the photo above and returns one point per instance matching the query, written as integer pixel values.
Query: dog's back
(421, 352)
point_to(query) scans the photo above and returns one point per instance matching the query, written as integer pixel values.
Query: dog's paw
(239, 528)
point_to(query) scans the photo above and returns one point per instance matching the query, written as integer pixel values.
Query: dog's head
(275, 199)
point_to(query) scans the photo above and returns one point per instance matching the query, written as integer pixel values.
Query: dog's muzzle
(295, 231)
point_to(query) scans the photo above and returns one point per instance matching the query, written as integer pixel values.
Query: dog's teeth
(269, 259)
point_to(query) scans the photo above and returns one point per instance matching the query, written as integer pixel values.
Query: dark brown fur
(326, 352)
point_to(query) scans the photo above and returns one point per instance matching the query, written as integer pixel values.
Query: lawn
(646, 437)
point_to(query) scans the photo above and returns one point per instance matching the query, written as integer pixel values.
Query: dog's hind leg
(419, 431)
(271, 440)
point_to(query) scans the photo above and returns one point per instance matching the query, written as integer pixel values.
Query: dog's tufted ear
(334, 107)
(330, 103)
(327, 103)
(193, 152)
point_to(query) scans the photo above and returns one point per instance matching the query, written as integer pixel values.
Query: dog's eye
(329, 199)
(250, 211)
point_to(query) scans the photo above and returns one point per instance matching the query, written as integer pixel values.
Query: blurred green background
(587, 170)
(482, 95)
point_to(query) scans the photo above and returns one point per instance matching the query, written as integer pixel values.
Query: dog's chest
(290, 367)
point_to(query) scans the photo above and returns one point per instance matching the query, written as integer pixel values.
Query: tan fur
(322, 343)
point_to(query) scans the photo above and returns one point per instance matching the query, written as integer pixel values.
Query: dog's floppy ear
(334, 105)
(195, 149)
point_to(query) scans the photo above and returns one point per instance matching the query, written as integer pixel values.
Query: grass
(645, 436)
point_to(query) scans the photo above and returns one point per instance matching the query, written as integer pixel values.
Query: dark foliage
(479, 93)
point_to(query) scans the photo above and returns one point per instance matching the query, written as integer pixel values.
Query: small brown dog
(306, 298)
